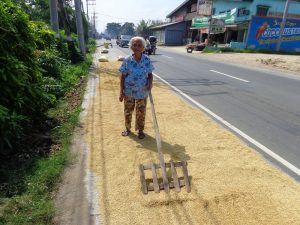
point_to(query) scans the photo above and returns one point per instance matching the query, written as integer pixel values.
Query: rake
(166, 183)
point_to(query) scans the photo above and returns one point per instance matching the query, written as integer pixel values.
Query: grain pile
(231, 183)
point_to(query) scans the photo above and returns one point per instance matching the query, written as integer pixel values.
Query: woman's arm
(122, 80)
(150, 80)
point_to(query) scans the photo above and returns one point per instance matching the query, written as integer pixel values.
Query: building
(170, 33)
(180, 18)
(230, 20)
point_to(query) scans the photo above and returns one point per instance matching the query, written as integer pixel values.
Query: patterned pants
(140, 112)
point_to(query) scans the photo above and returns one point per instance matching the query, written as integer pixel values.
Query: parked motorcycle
(151, 46)
(195, 47)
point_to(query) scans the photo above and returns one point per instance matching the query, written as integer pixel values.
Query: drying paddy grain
(231, 183)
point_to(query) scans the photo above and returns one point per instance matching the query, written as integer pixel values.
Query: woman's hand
(149, 86)
(150, 79)
(121, 97)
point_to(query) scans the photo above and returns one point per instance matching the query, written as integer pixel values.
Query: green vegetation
(31, 185)
(143, 28)
(42, 81)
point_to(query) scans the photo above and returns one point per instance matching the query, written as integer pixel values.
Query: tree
(22, 99)
(128, 28)
(113, 29)
(74, 56)
(36, 9)
(143, 28)
(39, 10)
(156, 22)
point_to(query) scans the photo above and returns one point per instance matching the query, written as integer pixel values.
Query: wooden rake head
(174, 181)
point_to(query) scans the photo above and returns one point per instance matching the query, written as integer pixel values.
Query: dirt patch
(231, 183)
(282, 63)
(75, 199)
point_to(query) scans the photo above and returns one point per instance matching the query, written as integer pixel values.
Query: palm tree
(143, 28)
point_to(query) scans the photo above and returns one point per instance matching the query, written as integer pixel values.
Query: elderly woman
(135, 84)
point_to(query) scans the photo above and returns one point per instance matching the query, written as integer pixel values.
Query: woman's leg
(129, 104)
(140, 110)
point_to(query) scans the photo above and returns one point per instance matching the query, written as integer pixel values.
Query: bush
(21, 94)
(51, 64)
(10, 127)
(35, 72)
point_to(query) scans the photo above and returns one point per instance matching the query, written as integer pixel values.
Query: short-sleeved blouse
(136, 76)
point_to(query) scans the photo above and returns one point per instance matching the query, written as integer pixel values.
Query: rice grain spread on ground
(231, 183)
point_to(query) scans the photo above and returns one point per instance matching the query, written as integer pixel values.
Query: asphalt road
(262, 104)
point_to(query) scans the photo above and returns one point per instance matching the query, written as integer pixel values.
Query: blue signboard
(264, 34)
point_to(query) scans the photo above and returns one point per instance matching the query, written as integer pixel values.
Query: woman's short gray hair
(137, 38)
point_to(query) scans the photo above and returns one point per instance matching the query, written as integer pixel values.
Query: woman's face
(137, 47)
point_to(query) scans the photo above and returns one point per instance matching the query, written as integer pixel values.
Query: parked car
(124, 40)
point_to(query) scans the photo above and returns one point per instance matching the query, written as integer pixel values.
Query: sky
(120, 11)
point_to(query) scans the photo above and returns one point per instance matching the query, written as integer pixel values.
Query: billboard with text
(264, 34)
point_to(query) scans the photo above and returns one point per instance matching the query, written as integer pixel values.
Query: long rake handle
(158, 143)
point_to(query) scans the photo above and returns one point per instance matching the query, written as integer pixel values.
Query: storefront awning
(194, 28)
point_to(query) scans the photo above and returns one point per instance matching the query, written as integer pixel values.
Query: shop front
(223, 28)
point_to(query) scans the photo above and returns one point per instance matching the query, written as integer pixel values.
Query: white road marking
(167, 56)
(230, 126)
(230, 76)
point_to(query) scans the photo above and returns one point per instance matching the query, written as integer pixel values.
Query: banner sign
(204, 7)
(228, 18)
(200, 22)
(217, 26)
(264, 34)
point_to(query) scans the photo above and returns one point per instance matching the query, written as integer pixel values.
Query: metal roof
(180, 6)
(165, 25)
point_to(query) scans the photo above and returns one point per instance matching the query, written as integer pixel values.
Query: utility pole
(54, 15)
(80, 32)
(94, 28)
(87, 10)
(282, 25)
(210, 20)
(93, 24)
(90, 3)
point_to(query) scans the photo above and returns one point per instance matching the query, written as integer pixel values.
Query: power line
(121, 18)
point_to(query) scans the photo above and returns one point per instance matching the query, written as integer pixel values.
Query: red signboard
(178, 18)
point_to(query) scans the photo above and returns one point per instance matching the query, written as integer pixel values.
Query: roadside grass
(236, 50)
(28, 196)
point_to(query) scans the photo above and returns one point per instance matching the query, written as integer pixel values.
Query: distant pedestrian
(135, 84)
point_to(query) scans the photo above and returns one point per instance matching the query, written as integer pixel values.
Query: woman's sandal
(141, 135)
(126, 133)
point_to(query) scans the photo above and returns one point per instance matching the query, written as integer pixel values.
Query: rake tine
(143, 180)
(186, 177)
(165, 178)
(175, 177)
(155, 180)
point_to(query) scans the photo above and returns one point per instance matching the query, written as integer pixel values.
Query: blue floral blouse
(136, 76)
